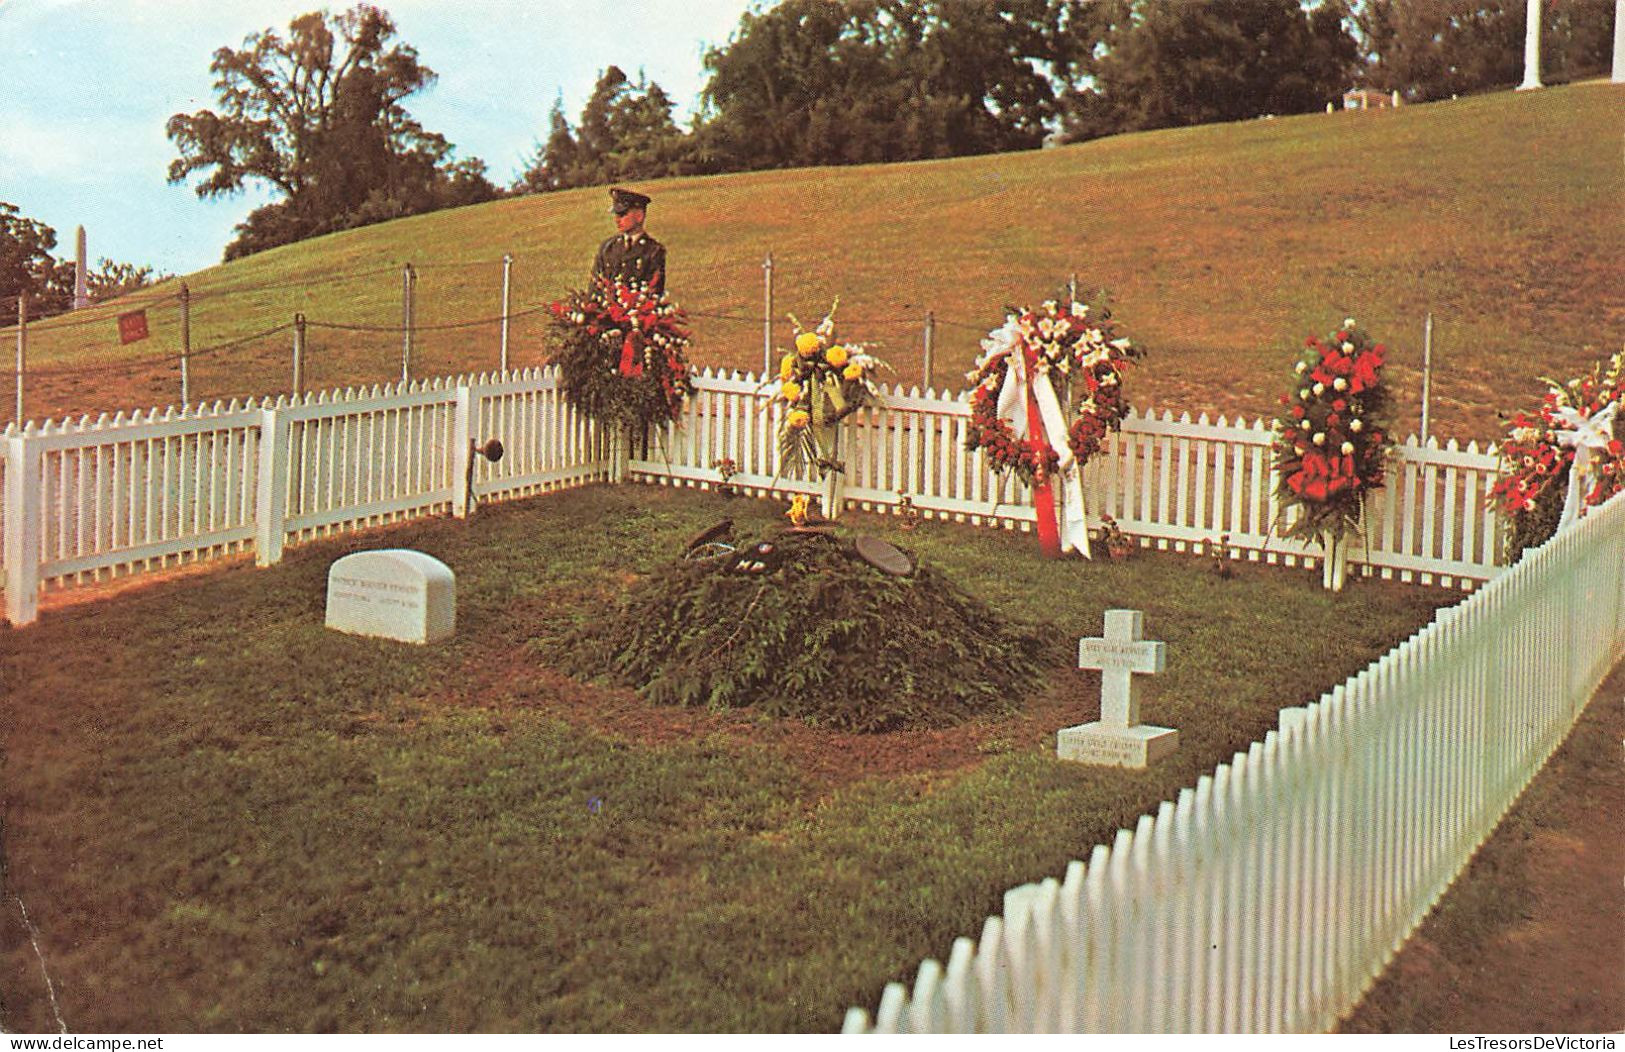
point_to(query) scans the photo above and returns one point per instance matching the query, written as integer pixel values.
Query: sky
(86, 87)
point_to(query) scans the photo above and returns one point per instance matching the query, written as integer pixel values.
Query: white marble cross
(1118, 738)
(1120, 656)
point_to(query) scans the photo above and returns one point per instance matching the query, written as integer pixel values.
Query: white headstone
(1118, 738)
(393, 593)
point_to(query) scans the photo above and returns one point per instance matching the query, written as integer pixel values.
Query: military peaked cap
(622, 201)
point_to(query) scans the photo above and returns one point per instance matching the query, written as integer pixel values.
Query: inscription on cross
(1118, 738)
(1120, 656)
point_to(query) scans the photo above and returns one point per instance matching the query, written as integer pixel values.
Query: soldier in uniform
(631, 255)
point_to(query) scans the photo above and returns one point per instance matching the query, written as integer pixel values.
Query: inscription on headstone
(393, 593)
(1118, 738)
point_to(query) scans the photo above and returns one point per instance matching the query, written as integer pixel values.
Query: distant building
(1368, 99)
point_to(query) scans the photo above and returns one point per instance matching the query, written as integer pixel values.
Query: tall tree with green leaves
(319, 117)
(1175, 63)
(625, 132)
(27, 266)
(852, 81)
(1432, 49)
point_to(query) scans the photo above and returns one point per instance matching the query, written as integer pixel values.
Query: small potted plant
(1118, 545)
(726, 469)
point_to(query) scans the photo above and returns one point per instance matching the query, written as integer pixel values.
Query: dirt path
(1531, 939)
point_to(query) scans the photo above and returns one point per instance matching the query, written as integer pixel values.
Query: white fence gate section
(1270, 896)
(86, 499)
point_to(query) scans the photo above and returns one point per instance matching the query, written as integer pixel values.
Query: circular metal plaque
(884, 556)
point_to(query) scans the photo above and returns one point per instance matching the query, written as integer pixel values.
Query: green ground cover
(221, 816)
(1224, 246)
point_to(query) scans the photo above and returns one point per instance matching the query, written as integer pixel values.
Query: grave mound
(804, 625)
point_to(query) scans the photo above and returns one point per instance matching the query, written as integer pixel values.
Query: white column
(23, 529)
(462, 452)
(1619, 42)
(270, 499)
(1531, 48)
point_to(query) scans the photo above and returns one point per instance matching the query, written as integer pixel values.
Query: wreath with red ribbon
(621, 352)
(1332, 435)
(1076, 346)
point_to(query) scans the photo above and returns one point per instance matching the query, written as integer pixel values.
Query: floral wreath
(1542, 447)
(1080, 349)
(621, 351)
(820, 383)
(1332, 435)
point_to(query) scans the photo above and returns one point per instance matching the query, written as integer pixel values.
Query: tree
(319, 117)
(1432, 49)
(1177, 64)
(553, 161)
(26, 265)
(625, 132)
(854, 81)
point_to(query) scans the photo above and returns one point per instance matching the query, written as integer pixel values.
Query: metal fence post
(507, 285)
(1427, 374)
(767, 316)
(22, 349)
(409, 279)
(930, 347)
(299, 354)
(186, 344)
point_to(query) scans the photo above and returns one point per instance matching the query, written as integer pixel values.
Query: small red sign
(132, 326)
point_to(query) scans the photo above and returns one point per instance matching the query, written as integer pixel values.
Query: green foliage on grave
(825, 638)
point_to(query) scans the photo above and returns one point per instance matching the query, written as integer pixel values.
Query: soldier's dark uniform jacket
(632, 257)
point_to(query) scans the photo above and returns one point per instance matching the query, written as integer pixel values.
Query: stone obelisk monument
(81, 294)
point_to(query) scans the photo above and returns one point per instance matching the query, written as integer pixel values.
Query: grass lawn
(1223, 246)
(221, 816)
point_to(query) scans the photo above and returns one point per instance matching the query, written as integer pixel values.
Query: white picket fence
(1270, 896)
(1172, 483)
(87, 499)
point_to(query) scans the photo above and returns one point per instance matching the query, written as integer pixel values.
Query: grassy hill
(1222, 247)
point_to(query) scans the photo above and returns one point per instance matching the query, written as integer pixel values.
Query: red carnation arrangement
(621, 351)
(1538, 455)
(1332, 435)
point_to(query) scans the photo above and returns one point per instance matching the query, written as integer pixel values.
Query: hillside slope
(1222, 246)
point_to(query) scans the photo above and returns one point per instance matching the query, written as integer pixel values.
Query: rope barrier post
(186, 344)
(507, 285)
(299, 354)
(409, 278)
(22, 349)
(767, 316)
(1427, 373)
(930, 348)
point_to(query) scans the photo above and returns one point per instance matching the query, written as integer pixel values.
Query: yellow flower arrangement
(823, 381)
